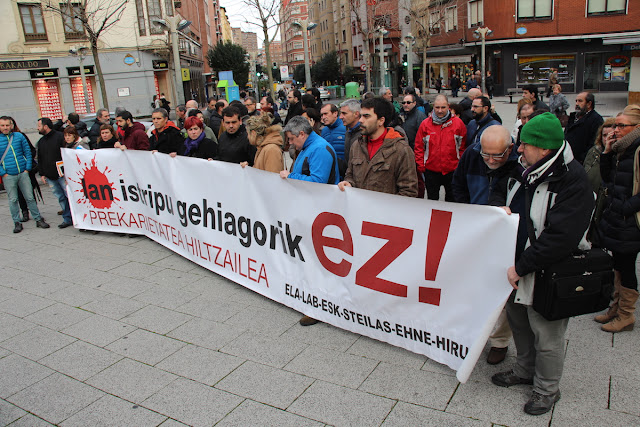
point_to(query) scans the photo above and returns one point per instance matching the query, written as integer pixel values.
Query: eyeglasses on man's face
(621, 125)
(494, 156)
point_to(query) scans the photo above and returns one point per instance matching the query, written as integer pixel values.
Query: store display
(48, 94)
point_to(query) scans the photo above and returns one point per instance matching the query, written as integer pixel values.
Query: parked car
(324, 94)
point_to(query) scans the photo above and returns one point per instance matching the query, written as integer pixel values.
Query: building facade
(291, 36)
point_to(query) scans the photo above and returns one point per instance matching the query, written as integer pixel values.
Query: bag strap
(9, 142)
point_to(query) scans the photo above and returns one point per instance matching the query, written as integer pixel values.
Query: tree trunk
(96, 61)
(267, 52)
(367, 63)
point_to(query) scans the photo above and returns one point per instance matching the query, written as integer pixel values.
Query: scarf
(193, 144)
(621, 145)
(539, 171)
(439, 121)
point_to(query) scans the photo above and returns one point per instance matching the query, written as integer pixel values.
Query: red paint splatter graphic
(95, 186)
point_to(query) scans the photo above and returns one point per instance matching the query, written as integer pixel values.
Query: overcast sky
(238, 13)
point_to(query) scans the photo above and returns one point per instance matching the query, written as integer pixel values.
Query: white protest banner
(427, 276)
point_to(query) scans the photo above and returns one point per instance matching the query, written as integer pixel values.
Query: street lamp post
(175, 24)
(382, 32)
(306, 26)
(81, 52)
(408, 45)
(483, 33)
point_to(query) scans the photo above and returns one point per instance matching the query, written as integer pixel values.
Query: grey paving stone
(378, 350)
(624, 395)
(12, 326)
(9, 413)
(6, 292)
(114, 248)
(173, 278)
(211, 308)
(172, 423)
(267, 350)
(584, 389)
(175, 262)
(411, 385)
(37, 342)
(408, 415)
(99, 330)
(24, 304)
(114, 306)
(322, 335)
(261, 321)
(200, 364)
(70, 396)
(145, 347)
(112, 411)
(18, 373)
(131, 380)
(30, 420)
(332, 404)
(165, 296)
(80, 360)
(98, 261)
(85, 276)
(136, 270)
(125, 286)
(332, 366)
(251, 413)
(205, 333)
(157, 319)
(192, 403)
(584, 416)
(77, 295)
(41, 284)
(499, 405)
(265, 384)
(58, 316)
(440, 368)
(214, 286)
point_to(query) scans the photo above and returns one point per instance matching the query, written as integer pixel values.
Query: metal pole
(307, 68)
(483, 34)
(179, 89)
(381, 53)
(84, 82)
(410, 41)
(254, 72)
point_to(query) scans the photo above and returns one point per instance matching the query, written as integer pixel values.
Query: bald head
(192, 103)
(496, 146)
(474, 93)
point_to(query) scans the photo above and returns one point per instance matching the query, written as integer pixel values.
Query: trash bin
(337, 90)
(352, 90)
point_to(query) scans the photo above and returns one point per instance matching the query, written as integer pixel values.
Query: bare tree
(95, 17)
(370, 16)
(430, 18)
(268, 19)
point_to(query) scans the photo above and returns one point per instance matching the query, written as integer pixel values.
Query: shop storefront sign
(39, 74)
(635, 46)
(160, 64)
(449, 59)
(23, 65)
(75, 71)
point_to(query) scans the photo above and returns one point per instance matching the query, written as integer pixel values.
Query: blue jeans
(22, 181)
(58, 186)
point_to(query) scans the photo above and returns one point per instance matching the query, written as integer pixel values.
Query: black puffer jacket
(235, 147)
(618, 229)
(168, 141)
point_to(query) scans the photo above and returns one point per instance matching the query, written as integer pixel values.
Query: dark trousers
(626, 265)
(433, 181)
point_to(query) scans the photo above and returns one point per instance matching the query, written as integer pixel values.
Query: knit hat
(544, 131)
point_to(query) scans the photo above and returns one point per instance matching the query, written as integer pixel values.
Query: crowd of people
(571, 179)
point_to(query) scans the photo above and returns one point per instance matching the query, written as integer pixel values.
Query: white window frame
(451, 19)
(535, 17)
(606, 10)
(479, 6)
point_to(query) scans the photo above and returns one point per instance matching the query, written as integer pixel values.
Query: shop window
(604, 7)
(73, 28)
(451, 19)
(142, 26)
(535, 9)
(32, 22)
(535, 69)
(476, 13)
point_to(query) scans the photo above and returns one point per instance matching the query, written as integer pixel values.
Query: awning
(448, 59)
(621, 40)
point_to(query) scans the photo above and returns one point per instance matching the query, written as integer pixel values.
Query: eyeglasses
(621, 125)
(494, 156)
(406, 102)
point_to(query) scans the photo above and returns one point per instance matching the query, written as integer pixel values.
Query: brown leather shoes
(308, 321)
(496, 355)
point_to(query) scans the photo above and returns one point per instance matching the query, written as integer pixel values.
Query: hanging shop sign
(160, 64)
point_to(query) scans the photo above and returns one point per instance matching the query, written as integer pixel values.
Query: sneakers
(509, 378)
(17, 227)
(496, 355)
(308, 321)
(540, 404)
(65, 225)
(42, 224)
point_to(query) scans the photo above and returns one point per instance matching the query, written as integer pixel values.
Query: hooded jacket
(135, 137)
(18, 158)
(391, 170)
(439, 147)
(168, 140)
(269, 150)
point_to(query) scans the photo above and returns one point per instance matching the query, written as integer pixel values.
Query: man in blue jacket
(14, 170)
(317, 162)
(334, 130)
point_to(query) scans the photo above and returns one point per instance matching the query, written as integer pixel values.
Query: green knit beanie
(544, 131)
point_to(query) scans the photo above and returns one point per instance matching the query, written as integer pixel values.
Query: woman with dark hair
(73, 139)
(197, 144)
(37, 193)
(618, 226)
(108, 137)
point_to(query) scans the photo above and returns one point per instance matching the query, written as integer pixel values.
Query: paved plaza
(98, 329)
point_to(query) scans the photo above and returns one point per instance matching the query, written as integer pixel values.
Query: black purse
(580, 284)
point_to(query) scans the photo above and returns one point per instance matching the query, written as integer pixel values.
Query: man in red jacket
(135, 137)
(439, 145)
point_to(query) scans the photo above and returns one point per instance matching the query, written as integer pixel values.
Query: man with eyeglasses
(482, 119)
(551, 193)
(412, 118)
(250, 103)
(481, 167)
(583, 125)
